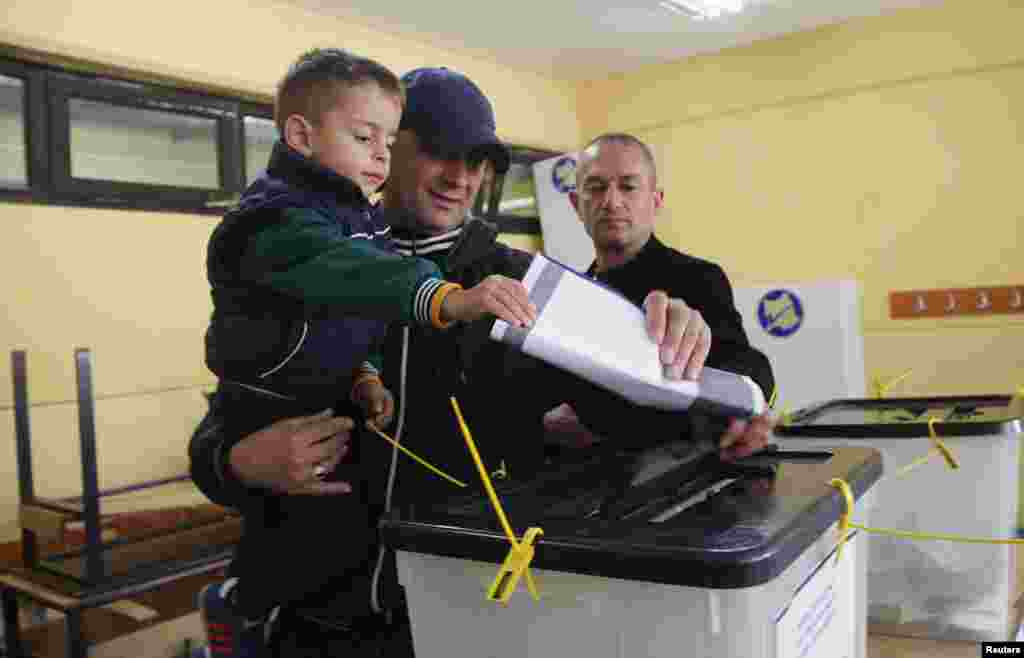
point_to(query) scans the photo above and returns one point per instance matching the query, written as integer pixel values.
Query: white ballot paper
(593, 331)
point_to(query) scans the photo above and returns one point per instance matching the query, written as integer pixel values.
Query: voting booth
(564, 238)
(666, 553)
(811, 333)
(917, 586)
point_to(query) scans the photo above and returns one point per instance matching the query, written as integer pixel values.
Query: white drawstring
(402, 401)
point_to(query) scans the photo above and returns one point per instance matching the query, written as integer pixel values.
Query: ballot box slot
(692, 501)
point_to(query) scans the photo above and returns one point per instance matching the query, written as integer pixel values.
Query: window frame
(34, 132)
(63, 86)
(507, 223)
(249, 109)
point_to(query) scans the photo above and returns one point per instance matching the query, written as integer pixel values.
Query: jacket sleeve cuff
(428, 300)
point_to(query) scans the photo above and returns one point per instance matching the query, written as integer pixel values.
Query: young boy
(304, 282)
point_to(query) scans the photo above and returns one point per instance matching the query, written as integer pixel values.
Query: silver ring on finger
(320, 471)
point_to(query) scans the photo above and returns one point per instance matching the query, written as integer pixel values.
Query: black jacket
(304, 281)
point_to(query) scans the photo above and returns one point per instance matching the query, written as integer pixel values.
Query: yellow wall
(874, 149)
(886, 149)
(130, 285)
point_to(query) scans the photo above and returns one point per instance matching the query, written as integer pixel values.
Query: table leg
(74, 643)
(12, 632)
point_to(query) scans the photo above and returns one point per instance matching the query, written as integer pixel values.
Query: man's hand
(496, 295)
(745, 437)
(683, 338)
(375, 401)
(292, 455)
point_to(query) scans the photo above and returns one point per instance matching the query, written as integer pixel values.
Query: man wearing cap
(445, 144)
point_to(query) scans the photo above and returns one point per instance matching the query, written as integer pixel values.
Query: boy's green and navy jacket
(305, 281)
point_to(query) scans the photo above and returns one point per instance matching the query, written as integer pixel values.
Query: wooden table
(74, 601)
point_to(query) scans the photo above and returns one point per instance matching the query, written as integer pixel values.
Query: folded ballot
(593, 331)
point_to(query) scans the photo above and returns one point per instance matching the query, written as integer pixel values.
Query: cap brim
(465, 143)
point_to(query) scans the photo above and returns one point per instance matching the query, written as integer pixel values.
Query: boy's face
(353, 138)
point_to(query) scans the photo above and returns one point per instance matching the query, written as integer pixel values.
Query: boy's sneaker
(228, 635)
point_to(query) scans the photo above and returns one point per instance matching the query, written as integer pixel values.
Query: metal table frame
(99, 587)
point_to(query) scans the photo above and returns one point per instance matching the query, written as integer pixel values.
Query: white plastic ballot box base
(814, 609)
(941, 589)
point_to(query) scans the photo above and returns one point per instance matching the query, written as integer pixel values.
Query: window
(22, 141)
(13, 145)
(131, 144)
(77, 139)
(516, 208)
(258, 136)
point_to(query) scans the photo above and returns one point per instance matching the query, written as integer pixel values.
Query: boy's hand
(496, 295)
(375, 401)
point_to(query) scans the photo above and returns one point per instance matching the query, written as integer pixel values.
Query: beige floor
(165, 641)
(882, 646)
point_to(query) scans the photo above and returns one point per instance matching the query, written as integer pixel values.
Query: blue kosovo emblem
(563, 174)
(780, 313)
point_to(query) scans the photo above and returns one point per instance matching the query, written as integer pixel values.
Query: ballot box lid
(908, 417)
(697, 522)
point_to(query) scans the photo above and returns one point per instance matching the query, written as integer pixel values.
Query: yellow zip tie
(951, 461)
(517, 562)
(917, 462)
(911, 534)
(844, 518)
(845, 524)
(882, 387)
(413, 455)
(785, 417)
(938, 447)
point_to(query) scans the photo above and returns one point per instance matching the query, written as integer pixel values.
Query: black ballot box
(664, 552)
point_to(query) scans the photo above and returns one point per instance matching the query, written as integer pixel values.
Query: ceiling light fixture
(702, 10)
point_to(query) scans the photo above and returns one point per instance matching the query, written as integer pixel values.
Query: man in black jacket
(445, 141)
(618, 199)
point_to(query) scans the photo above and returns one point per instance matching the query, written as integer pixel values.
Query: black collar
(298, 171)
(651, 247)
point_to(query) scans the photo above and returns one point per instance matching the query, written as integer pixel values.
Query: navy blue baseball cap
(451, 117)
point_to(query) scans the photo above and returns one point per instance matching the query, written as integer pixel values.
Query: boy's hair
(313, 82)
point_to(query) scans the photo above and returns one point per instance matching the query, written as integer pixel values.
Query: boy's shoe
(228, 635)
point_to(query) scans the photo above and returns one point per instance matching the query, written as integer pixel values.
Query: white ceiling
(590, 38)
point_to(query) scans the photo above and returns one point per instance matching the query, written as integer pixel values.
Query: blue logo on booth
(780, 313)
(563, 174)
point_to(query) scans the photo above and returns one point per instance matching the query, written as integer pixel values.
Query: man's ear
(298, 134)
(659, 198)
(574, 199)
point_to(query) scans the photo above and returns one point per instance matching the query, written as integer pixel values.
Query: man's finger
(676, 322)
(299, 421)
(328, 488)
(325, 428)
(323, 451)
(656, 308)
(733, 433)
(699, 355)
